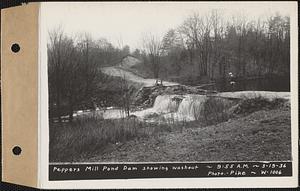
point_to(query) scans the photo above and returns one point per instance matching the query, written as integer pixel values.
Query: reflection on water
(275, 83)
(102, 113)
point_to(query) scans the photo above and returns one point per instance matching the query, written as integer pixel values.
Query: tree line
(209, 47)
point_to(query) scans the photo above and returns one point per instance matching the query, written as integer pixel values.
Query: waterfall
(166, 103)
(188, 107)
(191, 107)
(163, 104)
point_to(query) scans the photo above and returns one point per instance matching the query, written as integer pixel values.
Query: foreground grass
(82, 138)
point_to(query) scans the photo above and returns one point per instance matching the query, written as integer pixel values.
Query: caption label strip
(168, 170)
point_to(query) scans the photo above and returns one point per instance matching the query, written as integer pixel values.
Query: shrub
(215, 110)
(258, 103)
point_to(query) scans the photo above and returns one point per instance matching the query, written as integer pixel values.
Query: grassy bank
(263, 135)
(87, 138)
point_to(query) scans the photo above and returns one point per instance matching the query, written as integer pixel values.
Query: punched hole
(17, 150)
(15, 48)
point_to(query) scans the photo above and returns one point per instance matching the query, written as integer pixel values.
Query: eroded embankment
(261, 136)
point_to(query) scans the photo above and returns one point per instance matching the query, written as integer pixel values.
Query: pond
(276, 83)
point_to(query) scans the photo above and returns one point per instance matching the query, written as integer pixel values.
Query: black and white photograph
(169, 82)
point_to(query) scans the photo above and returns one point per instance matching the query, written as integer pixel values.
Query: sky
(126, 22)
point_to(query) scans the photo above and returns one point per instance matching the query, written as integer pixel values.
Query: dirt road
(119, 72)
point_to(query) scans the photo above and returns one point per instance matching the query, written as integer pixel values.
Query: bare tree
(152, 45)
(173, 47)
(218, 35)
(196, 31)
(60, 54)
(73, 73)
(126, 91)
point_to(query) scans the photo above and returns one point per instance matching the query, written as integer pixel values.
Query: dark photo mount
(87, 143)
(214, 89)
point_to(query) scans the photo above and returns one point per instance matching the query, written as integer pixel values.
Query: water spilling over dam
(177, 107)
